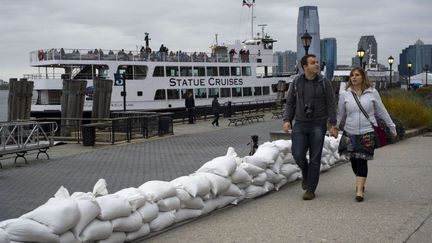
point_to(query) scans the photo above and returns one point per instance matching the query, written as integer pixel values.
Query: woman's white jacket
(356, 122)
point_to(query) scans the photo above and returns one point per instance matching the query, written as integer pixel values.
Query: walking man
(215, 108)
(311, 104)
(190, 106)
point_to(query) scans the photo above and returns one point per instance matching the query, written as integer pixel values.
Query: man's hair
(303, 61)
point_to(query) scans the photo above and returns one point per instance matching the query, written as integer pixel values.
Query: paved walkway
(397, 206)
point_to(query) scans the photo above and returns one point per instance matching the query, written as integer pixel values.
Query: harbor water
(3, 104)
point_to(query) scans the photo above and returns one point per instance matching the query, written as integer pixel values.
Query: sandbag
(89, 209)
(135, 197)
(257, 161)
(254, 191)
(68, 237)
(222, 201)
(295, 176)
(4, 237)
(269, 186)
(148, 212)
(268, 151)
(251, 169)
(240, 176)
(189, 202)
(185, 213)
(100, 188)
(194, 185)
(280, 184)
(218, 183)
(260, 179)
(113, 206)
(163, 220)
(284, 146)
(233, 191)
(143, 231)
(97, 230)
(288, 169)
(223, 166)
(156, 190)
(130, 223)
(116, 237)
(209, 206)
(243, 185)
(23, 229)
(273, 177)
(289, 159)
(168, 204)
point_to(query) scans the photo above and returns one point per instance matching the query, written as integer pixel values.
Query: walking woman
(358, 139)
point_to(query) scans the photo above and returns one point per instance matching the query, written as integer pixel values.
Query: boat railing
(56, 54)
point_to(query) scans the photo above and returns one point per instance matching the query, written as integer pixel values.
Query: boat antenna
(252, 18)
(216, 35)
(262, 30)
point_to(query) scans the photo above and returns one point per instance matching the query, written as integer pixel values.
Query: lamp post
(409, 74)
(306, 41)
(390, 61)
(426, 70)
(360, 54)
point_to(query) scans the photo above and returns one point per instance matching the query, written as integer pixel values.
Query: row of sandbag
(133, 213)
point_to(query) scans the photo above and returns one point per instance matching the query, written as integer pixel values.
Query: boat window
(247, 91)
(127, 70)
(223, 71)
(158, 71)
(173, 94)
(184, 92)
(236, 92)
(257, 91)
(198, 71)
(212, 71)
(235, 71)
(140, 72)
(172, 71)
(186, 71)
(213, 92)
(52, 97)
(139, 93)
(201, 93)
(246, 71)
(266, 90)
(160, 94)
(225, 92)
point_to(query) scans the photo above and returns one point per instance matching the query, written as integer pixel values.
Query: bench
(277, 114)
(244, 119)
(236, 120)
(42, 148)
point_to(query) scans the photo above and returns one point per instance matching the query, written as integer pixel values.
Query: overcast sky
(190, 25)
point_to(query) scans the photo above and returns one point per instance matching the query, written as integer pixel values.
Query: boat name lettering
(201, 82)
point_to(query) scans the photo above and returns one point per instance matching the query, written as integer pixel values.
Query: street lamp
(360, 54)
(390, 61)
(426, 69)
(409, 74)
(306, 41)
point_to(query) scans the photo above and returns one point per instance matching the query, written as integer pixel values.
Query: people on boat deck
(163, 52)
(232, 52)
(190, 106)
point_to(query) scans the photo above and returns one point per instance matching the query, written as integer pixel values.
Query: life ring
(41, 55)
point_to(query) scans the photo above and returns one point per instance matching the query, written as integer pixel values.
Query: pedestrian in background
(358, 138)
(190, 107)
(310, 102)
(215, 108)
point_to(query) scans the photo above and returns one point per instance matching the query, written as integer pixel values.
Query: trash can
(88, 135)
(165, 124)
(229, 109)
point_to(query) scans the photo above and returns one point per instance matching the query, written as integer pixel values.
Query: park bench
(277, 114)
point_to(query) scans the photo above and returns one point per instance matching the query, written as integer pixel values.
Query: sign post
(120, 80)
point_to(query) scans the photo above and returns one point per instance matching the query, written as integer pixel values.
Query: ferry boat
(158, 80)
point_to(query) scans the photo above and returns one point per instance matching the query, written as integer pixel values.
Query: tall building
(370, 46)
(329, 55)
(286, 62)
(419, 55)
(308, 20)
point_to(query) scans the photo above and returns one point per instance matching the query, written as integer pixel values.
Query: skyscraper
(286, 62)
(370, 46)
(329, 55)
(308, 20)
(419, 55)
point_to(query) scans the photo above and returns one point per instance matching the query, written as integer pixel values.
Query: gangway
(20, 137)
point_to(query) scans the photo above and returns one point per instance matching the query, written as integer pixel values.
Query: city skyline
(30, 26)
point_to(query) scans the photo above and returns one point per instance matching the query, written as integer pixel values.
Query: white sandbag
(143, 231)
(156, 190)
(280, 184)
(233, 191)
(332, 161)
(260, 179)
(243, 185)
(273, 177)
(135, 197)
(240, 176)
(218, 183)
(255, 191)
(89, 209)
(257, 161)
(277, 164)
(334, 144)
(326, 143)
(289, 159)
(203, 182)
(324, 167)
(23, 229)
(59, 213)
(168, 204)
(209, 206)
(269, 186)
(100, 188)
(325, 152)
(284, 146)
(231, 152)
(288, 169)
(194, 185)
(68, 237)
(113, 206)
(251, 169)
(130, 223)
(295, 176)
(222, 201)
(185, 213)
(4, 237)
(189, 202)
(268, 151)
(97, 230)
(148, 212)
(324, 161)
(163, 220)
(240, 198)
(116, 237)
(223, 166)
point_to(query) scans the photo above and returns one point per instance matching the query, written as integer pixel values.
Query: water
(3, 104)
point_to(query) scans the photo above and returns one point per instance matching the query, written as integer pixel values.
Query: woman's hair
(366, 83)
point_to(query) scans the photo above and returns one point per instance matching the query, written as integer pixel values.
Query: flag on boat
(248, 3)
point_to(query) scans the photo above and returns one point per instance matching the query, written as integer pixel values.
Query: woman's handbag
(380, 130)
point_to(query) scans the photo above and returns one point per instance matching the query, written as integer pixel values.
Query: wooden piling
(102, 89)
(72, 104)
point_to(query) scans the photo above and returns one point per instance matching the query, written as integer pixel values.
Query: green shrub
(408, 109)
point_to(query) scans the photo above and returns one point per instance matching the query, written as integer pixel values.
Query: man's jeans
(308, 136)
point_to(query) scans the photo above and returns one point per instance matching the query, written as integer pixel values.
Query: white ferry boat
(158, 80)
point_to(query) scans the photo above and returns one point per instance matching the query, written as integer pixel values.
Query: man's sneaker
(308, 195)
(304, 184)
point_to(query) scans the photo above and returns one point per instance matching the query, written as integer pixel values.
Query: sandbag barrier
(134, 213)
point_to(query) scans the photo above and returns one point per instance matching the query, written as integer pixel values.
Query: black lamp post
(360, 54)
(426, 70)
(390, 61)
(409, 74)
(306, 41)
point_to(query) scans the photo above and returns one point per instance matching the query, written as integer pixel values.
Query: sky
(191, 25)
